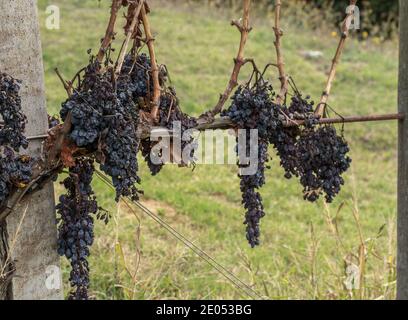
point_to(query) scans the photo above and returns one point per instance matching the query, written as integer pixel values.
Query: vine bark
(155, 100)
(110, 30)
(244, 28)
(133, 22)
(279, 56)
(345, 30)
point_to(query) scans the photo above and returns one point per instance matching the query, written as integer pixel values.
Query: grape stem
(67, 84)
(40, 177)
(110, 30)
(279, 56)
(133, 16)
(244, 28)
(155, 101)
(345, 30)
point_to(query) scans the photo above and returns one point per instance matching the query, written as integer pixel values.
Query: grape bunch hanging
(15, 170)
(75, 231)
(111, 103)
(104, 111)
(316, 155)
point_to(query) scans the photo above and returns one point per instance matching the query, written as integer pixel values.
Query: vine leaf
(68, 150)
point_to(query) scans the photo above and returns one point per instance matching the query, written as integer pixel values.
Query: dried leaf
(67, 153)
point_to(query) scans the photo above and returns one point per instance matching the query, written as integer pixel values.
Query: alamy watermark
(53, 278)
(206, 147)
(353, 275)
(53, 19)
(354, 22)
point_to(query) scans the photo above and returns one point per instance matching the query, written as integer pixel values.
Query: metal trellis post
(402, 229)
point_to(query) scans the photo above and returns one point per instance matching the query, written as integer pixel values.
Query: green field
(307, 249)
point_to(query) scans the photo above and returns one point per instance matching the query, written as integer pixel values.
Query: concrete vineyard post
(34, 248)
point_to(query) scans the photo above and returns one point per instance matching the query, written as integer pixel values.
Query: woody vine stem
(345, 30)
(279, 56)
(244, 28)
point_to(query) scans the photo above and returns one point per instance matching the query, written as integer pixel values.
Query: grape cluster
(137, 81)
(302, 109)
(170, 114)
(121, 147)
(284, 138)
(252, 108)
(316, 155)
(138, 71)
(53, 121)
(251, 198)
(323, 157)
(86, 107)
(12, 131)
(75, 230)
(15, 170)
(146, 147)
(104, 118)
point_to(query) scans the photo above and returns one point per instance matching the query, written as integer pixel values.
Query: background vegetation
(378, 17)
(308, 250)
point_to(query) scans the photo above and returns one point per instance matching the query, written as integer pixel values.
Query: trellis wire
(242, 286)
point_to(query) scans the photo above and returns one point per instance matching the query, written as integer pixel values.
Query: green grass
(300, 257)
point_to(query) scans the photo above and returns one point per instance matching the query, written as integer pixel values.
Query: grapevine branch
(155, 101)
(44, 172)
(225, 123)
(239, 61)
(110, 30)
(67, 85)
(16, 197)
(280, 62)
(345, 29)
(133, 15)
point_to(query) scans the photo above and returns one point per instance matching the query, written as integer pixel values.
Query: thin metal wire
(336, 113)
(39, 137)
(245, 289)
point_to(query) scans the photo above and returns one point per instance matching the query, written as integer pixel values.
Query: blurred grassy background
(378, 17)
(307, 249)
